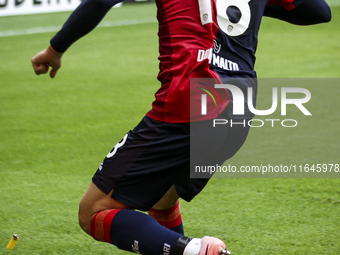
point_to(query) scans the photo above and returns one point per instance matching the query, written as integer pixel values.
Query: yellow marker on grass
(12, 242)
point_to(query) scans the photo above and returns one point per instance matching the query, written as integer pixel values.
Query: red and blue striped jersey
(204, 39)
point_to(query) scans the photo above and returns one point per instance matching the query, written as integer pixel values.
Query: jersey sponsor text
(217, 60)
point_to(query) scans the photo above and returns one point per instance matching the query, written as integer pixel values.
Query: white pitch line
(28, 31)
(37, 30)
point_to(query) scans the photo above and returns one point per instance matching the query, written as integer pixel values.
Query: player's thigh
(168, 200)
(93, 201)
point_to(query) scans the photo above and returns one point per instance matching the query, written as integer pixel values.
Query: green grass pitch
(55, 133)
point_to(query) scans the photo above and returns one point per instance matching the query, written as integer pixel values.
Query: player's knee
(84, 221)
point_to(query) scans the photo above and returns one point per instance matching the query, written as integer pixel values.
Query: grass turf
(54, 134)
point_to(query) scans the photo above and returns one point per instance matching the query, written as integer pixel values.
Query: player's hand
(46, 59)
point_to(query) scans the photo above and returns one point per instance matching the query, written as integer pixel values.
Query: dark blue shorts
(155, 155)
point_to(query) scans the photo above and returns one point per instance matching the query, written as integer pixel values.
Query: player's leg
(93, 201)
(106, 219)
(166, 211)
(139, 172)
(109, 220)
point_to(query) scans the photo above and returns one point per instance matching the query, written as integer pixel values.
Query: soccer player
(149, 169)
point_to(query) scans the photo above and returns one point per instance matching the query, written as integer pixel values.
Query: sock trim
(101, 225)
(168, 218)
